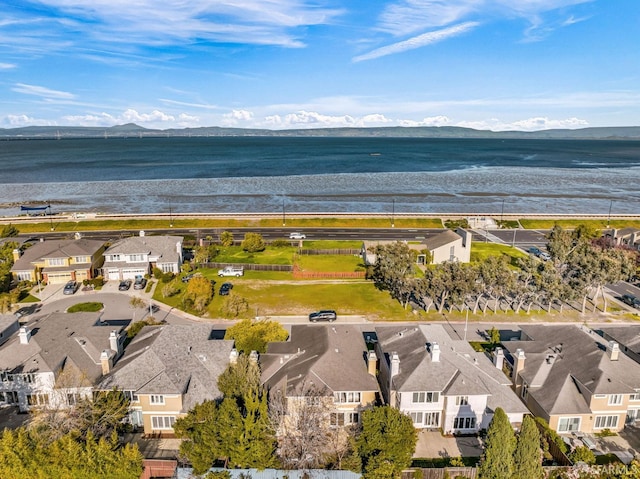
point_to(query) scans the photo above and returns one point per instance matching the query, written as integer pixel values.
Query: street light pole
(170, 218)
(50, 218)
(393, 212)
(284, 222)
(609, 217)
(502, 211)
(466, 322)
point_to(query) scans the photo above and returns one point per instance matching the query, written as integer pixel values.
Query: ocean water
(350, 175)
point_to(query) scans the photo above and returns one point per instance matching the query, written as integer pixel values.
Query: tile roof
(330, 356)
(173, 359)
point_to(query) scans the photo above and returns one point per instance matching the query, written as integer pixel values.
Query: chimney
(613, 350)
(141, 233)
(114, 343)
(24, 334)
(395, 364)
(435, 353)
(16, 254)
(233, 356)
(179, 248)
(372, 363)
(253, 356)
(498, 358)
(106, 361)
(518, 365)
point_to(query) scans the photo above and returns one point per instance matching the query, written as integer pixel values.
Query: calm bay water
(239, 174)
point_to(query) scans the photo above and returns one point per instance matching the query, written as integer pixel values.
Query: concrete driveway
(432, 444)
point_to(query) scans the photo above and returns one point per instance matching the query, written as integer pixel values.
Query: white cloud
(418, 41)
(155, 119)
(7, 66)
(429, 121)
(529, 124)
(237, 116)
(42, 91)
(16, 121)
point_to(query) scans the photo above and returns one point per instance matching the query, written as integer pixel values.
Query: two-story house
(138, 255)
(440, 381)
(447, 245)
(58, 261)
(167, 370)
(573, 378)
(55, 360)
(331, 360)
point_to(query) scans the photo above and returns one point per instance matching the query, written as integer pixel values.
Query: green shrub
(85, 308)
(280, 243)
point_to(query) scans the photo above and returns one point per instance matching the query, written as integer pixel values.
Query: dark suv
(324, 315)
(631, 300)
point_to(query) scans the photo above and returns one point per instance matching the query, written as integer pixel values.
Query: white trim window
(462, 400)
(131, 395)
(81, 259)
(416, 417)
(464, 422)
(432, 419)
(338, 419)
(163, 422)
(346, 397)
(56, 261)
(606, 422)
(568, 424)
(615, 399)
(136, 258)
(427, 396)
(24, 275)
(156, 399)
(635, 396)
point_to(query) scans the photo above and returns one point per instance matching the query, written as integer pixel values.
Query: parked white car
(297, 236)
(231, 271)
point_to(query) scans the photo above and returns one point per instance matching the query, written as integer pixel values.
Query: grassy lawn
(235, 254)
(480, 251)
(329, 263)
(85, 307)
(570, 224)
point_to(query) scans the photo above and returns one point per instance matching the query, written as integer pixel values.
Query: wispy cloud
(205, 106)
(42, 92)
(7, 66)
(418, 41)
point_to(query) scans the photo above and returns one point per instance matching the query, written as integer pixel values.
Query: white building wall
(475, 408)
(443, 253)
(407, 405)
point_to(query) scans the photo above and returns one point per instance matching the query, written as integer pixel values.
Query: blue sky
(487, 64)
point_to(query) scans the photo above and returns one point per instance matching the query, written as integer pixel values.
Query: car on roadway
(544, 256)
(140, 283)
(535, 251)
(225, 289)
(70, 288)
(124, 285)
(323, 315)
(297, 236)
(631, 300)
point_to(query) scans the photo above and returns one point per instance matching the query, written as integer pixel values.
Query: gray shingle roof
(566, 361)
(56, 249)
(60, 340)
(441, 239)
(173, 359)
(327, 356)
(163, 247)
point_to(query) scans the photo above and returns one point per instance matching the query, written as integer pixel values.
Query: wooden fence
(251, 266)
(336, 251)
(159, 468)
(441, 473)
(298, 274)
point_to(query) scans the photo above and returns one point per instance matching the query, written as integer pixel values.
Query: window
(426, 397)
(37, 399)
(163, 422)
(603, 422)
(73, 399)
(525, 390)
(81, 259)
(340, 419)
(156, 399)
(462, 400)
(56, 261)
(346, 397)
(114, 257)
(635, 396)
(416, 417)
(568, 424)
(24, 276)
(432, 419)
(28, 378)
(615, 399)
(337, 419)
(464, 423)
(11, 397)
(136, 258)
(167, 268)
(131, 396)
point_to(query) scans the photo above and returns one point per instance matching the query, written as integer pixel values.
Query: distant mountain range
(131, 130)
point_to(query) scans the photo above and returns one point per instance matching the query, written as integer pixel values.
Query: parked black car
(323, 315)
(225, 289)
(631, 300)
(124, 285)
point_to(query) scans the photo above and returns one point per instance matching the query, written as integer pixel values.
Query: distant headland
(131, 130)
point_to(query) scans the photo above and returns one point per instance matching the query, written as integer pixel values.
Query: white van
(297, 236)
(236, 271)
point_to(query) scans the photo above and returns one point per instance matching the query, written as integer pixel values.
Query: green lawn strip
(269, 299)
(600, 224)
(332, 244)
(480, 251)
(235, 254)
(91, 307)
(330, 263)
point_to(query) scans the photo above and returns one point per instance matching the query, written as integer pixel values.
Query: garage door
(132, 273)
(113, 274)
(58, 278)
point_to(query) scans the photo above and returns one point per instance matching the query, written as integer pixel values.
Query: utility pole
(50, 218)
(170, 218)
(609, 217)
(393, 213)
(284, 222)
(502, 212)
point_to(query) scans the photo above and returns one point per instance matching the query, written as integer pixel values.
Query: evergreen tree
(497, 460)
(527, 458)
(387, 442)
